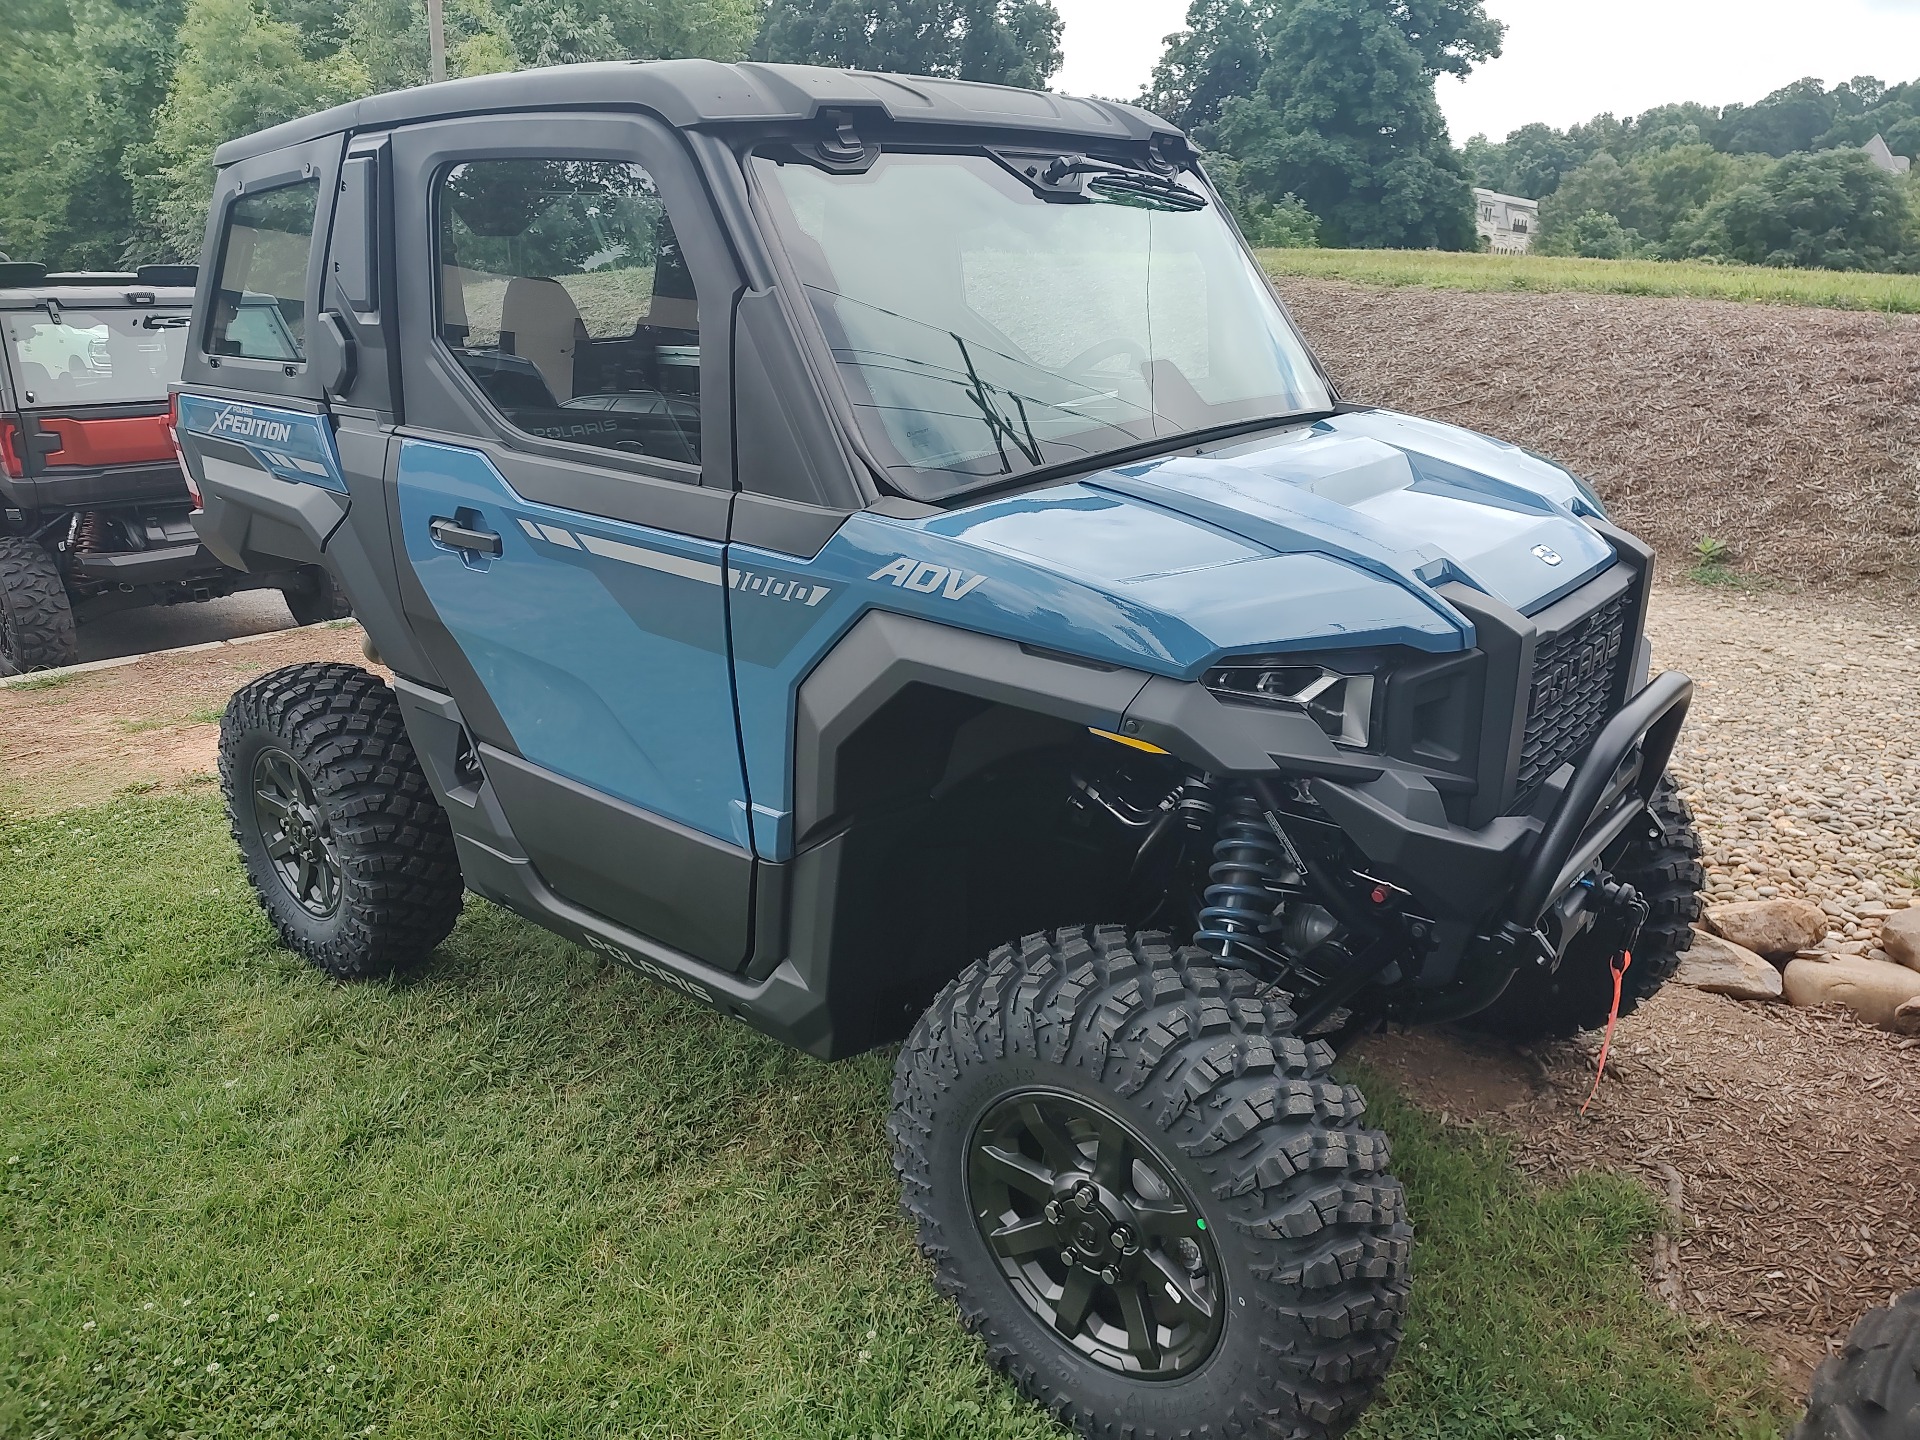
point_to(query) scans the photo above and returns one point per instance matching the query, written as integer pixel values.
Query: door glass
(565, 296)
(260, 305)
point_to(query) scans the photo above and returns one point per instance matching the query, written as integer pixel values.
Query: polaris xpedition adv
(873, 554)
(93, 505)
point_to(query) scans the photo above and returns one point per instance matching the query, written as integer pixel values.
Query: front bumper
(1503, 877)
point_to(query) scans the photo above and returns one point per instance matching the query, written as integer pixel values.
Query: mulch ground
(1791, 434)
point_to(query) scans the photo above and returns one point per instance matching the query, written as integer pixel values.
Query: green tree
(1222, 53)
(1345, 118)
(1596, 236)
(239, 70)
(1530, 162)
(1792, 118)
(79, 81)
(1835, 210)
(1602, 186)
(1008, 42)
(1283, 224)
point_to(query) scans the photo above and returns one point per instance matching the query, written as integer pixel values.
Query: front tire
(36, 617)
(1668, 874)
(1141, 1189)
(350, 854)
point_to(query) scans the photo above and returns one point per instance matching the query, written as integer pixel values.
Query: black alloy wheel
(1095, 1235)
(298, 837)
(343, 841)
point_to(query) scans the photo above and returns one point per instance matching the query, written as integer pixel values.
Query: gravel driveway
(1802, 753)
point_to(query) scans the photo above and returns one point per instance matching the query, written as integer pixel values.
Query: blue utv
(874, 555)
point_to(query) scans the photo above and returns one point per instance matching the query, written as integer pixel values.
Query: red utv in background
(93, 502)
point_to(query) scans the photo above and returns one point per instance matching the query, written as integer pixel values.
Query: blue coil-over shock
(1250, 865)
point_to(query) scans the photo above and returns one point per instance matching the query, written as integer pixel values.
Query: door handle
(456, 536)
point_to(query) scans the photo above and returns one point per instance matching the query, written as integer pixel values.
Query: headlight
(1339, 703)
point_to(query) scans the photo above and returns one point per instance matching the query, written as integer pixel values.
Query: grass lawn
(1446, 270)
(527, 1195)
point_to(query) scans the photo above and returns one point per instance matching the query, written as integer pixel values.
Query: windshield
(983, 331)
(95, 357)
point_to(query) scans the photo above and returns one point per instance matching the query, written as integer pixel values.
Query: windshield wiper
(1069, 177)
(998, 425)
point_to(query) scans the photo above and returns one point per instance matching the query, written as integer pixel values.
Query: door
(564, 559)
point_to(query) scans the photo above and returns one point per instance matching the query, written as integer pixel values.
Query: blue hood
(1410, 500)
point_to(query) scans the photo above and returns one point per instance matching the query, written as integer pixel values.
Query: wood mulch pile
(1791, 434)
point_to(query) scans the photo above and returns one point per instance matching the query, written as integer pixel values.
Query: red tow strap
(1620, 964)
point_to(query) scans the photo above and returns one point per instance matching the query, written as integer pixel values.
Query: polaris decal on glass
(245, 425)
(928, 578)
(778, 587)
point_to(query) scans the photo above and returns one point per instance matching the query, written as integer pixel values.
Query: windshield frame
(60, 310)
(770, 212)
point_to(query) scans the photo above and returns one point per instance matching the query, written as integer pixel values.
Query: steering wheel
(1107, 350)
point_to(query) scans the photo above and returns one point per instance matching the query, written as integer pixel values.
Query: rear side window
(565, 296)
(260, 303)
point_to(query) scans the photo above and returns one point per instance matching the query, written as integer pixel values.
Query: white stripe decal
(532, 529)
(702, 570)
(559, 536)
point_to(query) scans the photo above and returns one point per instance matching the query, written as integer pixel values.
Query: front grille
(1576, 688)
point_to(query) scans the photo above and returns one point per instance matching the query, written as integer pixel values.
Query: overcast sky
(1568, 60)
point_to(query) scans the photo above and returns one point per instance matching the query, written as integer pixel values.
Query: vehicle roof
(692, 93)
(95, 297)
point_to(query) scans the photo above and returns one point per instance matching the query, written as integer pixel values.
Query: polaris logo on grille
(247, 426)
(1547, 553)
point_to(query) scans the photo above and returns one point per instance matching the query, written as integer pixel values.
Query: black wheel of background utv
(36, 618)
(1871, 1389)
(1146, 1195)
(343, 841)
(1577, 996)
(315, 596)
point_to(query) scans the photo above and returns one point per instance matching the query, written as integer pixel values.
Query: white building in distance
(1507, 222)
(1878, 151)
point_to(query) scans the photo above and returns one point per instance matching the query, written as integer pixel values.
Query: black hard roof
(691, 93)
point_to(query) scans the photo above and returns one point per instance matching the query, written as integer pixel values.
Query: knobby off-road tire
(1176, 1092)
(1668, 874)
(316, 596)
(36, 618)
(1871, 1389)
(343, 841)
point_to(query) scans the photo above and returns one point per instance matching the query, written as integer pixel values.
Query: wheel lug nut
(1066, 1258)
(1111, 1275)
(1052, 1212)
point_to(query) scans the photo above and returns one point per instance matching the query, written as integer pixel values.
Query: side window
(260, 299)
(565, 296)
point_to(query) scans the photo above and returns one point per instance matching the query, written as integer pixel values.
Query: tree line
(1319, 117)
(1781, 181)
(110, 110)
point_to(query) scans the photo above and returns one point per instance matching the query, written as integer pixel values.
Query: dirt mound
(1791, 434)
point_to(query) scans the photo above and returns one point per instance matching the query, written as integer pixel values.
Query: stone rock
(1770, 927)
(1907, 1018)
(1900, 937)
(1876, 992)
(1724, 968)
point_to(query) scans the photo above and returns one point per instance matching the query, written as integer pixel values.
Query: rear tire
(1265, 1288)
(1668, 874)
(346, 847)
(36, 618)
(1871, 1389)
(316, 596)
